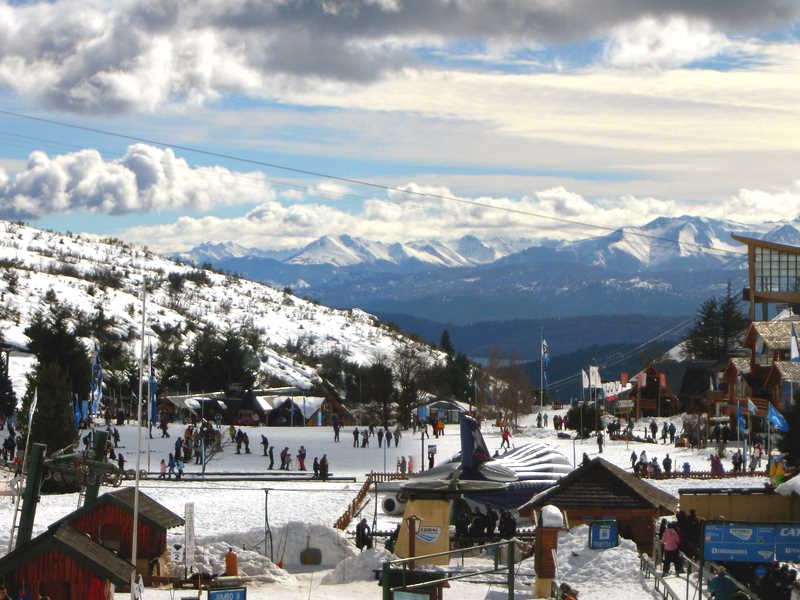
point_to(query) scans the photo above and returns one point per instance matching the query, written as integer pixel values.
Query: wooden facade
(655, 398)
(600, 490)
(66, 565)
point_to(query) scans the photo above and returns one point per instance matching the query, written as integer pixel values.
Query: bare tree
(409, 369)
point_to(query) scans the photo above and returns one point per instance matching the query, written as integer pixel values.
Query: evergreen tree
(732, 321)
(54, 420)
(8, 400)
(716, 329)
(446, 345)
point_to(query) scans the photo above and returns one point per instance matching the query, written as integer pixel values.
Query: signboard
(431, 449)
(238, 593)
(188, 530)
(410, 596)
(787, 542)
(739, 542)
(603, 535)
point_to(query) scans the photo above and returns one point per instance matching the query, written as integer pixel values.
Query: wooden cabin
(66, 565)
(109, 522)
(600, 490)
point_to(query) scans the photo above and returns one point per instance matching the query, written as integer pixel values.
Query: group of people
(643, 467)
(361, 437)
(681, 535)
(476, 527)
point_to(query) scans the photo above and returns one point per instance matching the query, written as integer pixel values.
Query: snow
(210, 558)
(359, 568)
(595, 573)
(551, 516)
(787, 488)
(65, 264)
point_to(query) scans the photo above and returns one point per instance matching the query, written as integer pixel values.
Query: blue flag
(97, 381)
(153, 415)
(740, 419)
(776, 419)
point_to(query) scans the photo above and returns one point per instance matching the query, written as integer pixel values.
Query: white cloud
(674, 42)
(145, 179)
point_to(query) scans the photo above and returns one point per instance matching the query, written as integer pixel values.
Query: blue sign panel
(603, 534)
(228, 594)
(787, 542)
(739, 542)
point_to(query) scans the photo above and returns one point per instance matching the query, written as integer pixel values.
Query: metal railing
(405, 574)
(355, 506)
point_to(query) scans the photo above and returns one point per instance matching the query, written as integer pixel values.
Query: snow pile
(551, 516)
(787, 488)
(358, 568)
(289, 541)
(591, 572)
(210, 558)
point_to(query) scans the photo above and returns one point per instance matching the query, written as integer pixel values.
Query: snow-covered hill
(74, 267)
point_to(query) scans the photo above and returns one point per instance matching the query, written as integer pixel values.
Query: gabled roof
(604, 485)
(150, 511)
(97, 559)
(784, 371)
(742, 365)
(776, 335)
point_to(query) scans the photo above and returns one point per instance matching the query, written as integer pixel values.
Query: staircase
(355, 506)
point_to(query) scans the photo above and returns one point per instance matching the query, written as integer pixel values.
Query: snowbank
(210, 558)
(787, 488)
(290, 540)
(358, 568)
(551, 516)
(593, 573)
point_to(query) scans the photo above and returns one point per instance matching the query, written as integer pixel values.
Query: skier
(232, 431)
(396, 436)
(163, 426)
(179, 465)
(363, 535)
(600, 439)
(364, 438)
(539, 420)
(284, 459)
(388, 436)
(506, 438)
(271, 457)
(336, 427)
(301, 458)
(672, 433)
(323, 467)
(264, 443)
(171, 466)
(653, 429)
(545, 419)
(239, 440)
(163, 474)
(380, 437)
(115, 435)
(316, 468)
(246, 441)
(664, 432)
(355, 437)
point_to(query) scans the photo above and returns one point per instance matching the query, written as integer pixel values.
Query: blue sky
(611, 114)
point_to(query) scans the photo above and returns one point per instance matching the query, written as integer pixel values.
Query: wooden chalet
(66, 565)
(600, 490)
(109, 522)
(652, 396)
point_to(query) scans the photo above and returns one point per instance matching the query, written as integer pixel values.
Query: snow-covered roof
(264, 403)
(192, 403)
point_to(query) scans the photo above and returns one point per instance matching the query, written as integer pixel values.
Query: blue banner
(153, 404)
(739, 542)
(787, 542)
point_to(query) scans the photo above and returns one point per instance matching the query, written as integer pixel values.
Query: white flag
(594, 377)
(585, 379)
(795, 350)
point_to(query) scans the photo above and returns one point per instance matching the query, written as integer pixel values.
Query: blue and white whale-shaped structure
(505, 481)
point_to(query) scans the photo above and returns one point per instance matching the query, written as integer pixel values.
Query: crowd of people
(383, 435)
(475, 528)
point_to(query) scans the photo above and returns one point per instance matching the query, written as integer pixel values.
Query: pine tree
(732, 321)
(8, 400)
(446, 345)
(703, 341)
(54, 420)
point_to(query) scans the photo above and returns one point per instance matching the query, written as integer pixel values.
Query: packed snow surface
(360, 567)
(551, 516)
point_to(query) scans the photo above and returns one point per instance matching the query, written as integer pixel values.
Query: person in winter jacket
(323, 467)
(285, 459)
(121, 462)
(301, 458)
(264, 443)
(396, 436)
(364, 438)
(355, 437)
(363, 539)
(316, 468)
(179, 466)
(633, 461)
(163, 474)
(388, 438)
(671, 540)
(271, 457)
(170, 466)
(667, 462)
(246, 441)
(380, 437)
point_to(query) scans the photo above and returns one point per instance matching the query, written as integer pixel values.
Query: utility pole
(541, 369)
(138, 445)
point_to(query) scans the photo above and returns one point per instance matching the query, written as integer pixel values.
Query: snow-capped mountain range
(36, 261)
(667, 266)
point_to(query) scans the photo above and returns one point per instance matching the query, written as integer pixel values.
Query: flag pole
(135, 535)
(541, 369)
(149, 408)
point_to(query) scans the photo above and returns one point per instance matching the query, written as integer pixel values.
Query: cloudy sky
(611, 112)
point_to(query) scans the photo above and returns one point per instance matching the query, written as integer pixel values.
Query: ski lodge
(599, 491)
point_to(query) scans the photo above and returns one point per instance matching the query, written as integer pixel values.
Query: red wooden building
(66, 565)
(109, 522)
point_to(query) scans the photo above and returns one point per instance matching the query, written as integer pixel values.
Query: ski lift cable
(362, 182)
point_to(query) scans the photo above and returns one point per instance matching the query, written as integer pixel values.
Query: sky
(611, 113)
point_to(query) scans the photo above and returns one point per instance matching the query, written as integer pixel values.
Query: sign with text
(739, 542)
(239, 593)
(787, 542)
(603, 535)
